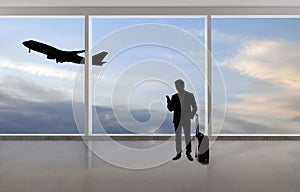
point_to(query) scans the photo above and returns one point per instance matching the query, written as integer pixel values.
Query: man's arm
(171, 104)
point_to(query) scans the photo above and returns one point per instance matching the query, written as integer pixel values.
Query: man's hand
(192, 116)
(168, 99)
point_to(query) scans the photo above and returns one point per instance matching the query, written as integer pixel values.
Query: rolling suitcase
(202, 148)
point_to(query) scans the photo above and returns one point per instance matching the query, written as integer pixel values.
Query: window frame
(151, 11)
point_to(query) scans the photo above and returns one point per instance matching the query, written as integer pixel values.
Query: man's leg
(178, 134)
(187, 135)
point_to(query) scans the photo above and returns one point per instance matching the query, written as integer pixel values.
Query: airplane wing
(76, 52)
(74, 58)
(97, 59)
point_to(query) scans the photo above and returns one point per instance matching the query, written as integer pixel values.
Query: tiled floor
(63, 166)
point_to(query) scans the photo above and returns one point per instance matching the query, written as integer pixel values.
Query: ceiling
(146, 3)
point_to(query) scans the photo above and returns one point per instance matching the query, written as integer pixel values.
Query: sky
(257, 57)
(36, 93)
(146, 56)
(40, 91)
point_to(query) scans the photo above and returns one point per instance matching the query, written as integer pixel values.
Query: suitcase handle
(197, 132)
(197, 123)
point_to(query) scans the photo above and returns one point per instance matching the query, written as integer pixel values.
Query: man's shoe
(177, 156)
(189, 157)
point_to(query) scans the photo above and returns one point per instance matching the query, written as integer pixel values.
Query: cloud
(110, 121)
(18, 116)
(239, 125)
(269, 99)
(19, 88)
(297, 118)
(275, 61)
(221, 37)
(28, 108)
(57, 117)
(263, 83)
(279, 106)
(196, 32)
(261, 113)
(244, 120)
(54, 71)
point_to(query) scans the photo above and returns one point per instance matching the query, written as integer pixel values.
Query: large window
(253, 68)
(259, 59)
(36, 93)
(146, 56)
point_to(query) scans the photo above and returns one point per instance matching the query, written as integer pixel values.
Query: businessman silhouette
(184, 108)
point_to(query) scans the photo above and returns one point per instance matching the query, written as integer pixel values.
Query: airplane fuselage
(63, 56)
(54, 53)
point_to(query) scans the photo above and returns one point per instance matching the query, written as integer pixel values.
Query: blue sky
(258, 58)
(143, 65)
(58, 32)
(36, 93)
(35, 81)
(237, 29)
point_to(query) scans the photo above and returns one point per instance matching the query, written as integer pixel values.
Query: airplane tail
(98, 58)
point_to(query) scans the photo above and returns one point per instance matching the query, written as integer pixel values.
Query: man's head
(179, 84)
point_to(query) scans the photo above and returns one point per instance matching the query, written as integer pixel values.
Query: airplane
(63, 56)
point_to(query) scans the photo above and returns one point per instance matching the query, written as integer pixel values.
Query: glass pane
(259, 59)
(37, 92)
(145, 56)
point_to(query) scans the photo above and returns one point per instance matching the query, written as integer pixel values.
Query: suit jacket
(188, 110)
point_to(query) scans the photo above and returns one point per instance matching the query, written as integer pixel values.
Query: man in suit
(184, 106)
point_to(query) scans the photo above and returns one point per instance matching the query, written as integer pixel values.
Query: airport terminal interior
(85, 93)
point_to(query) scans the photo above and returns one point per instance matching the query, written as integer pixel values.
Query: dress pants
(186, 126)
